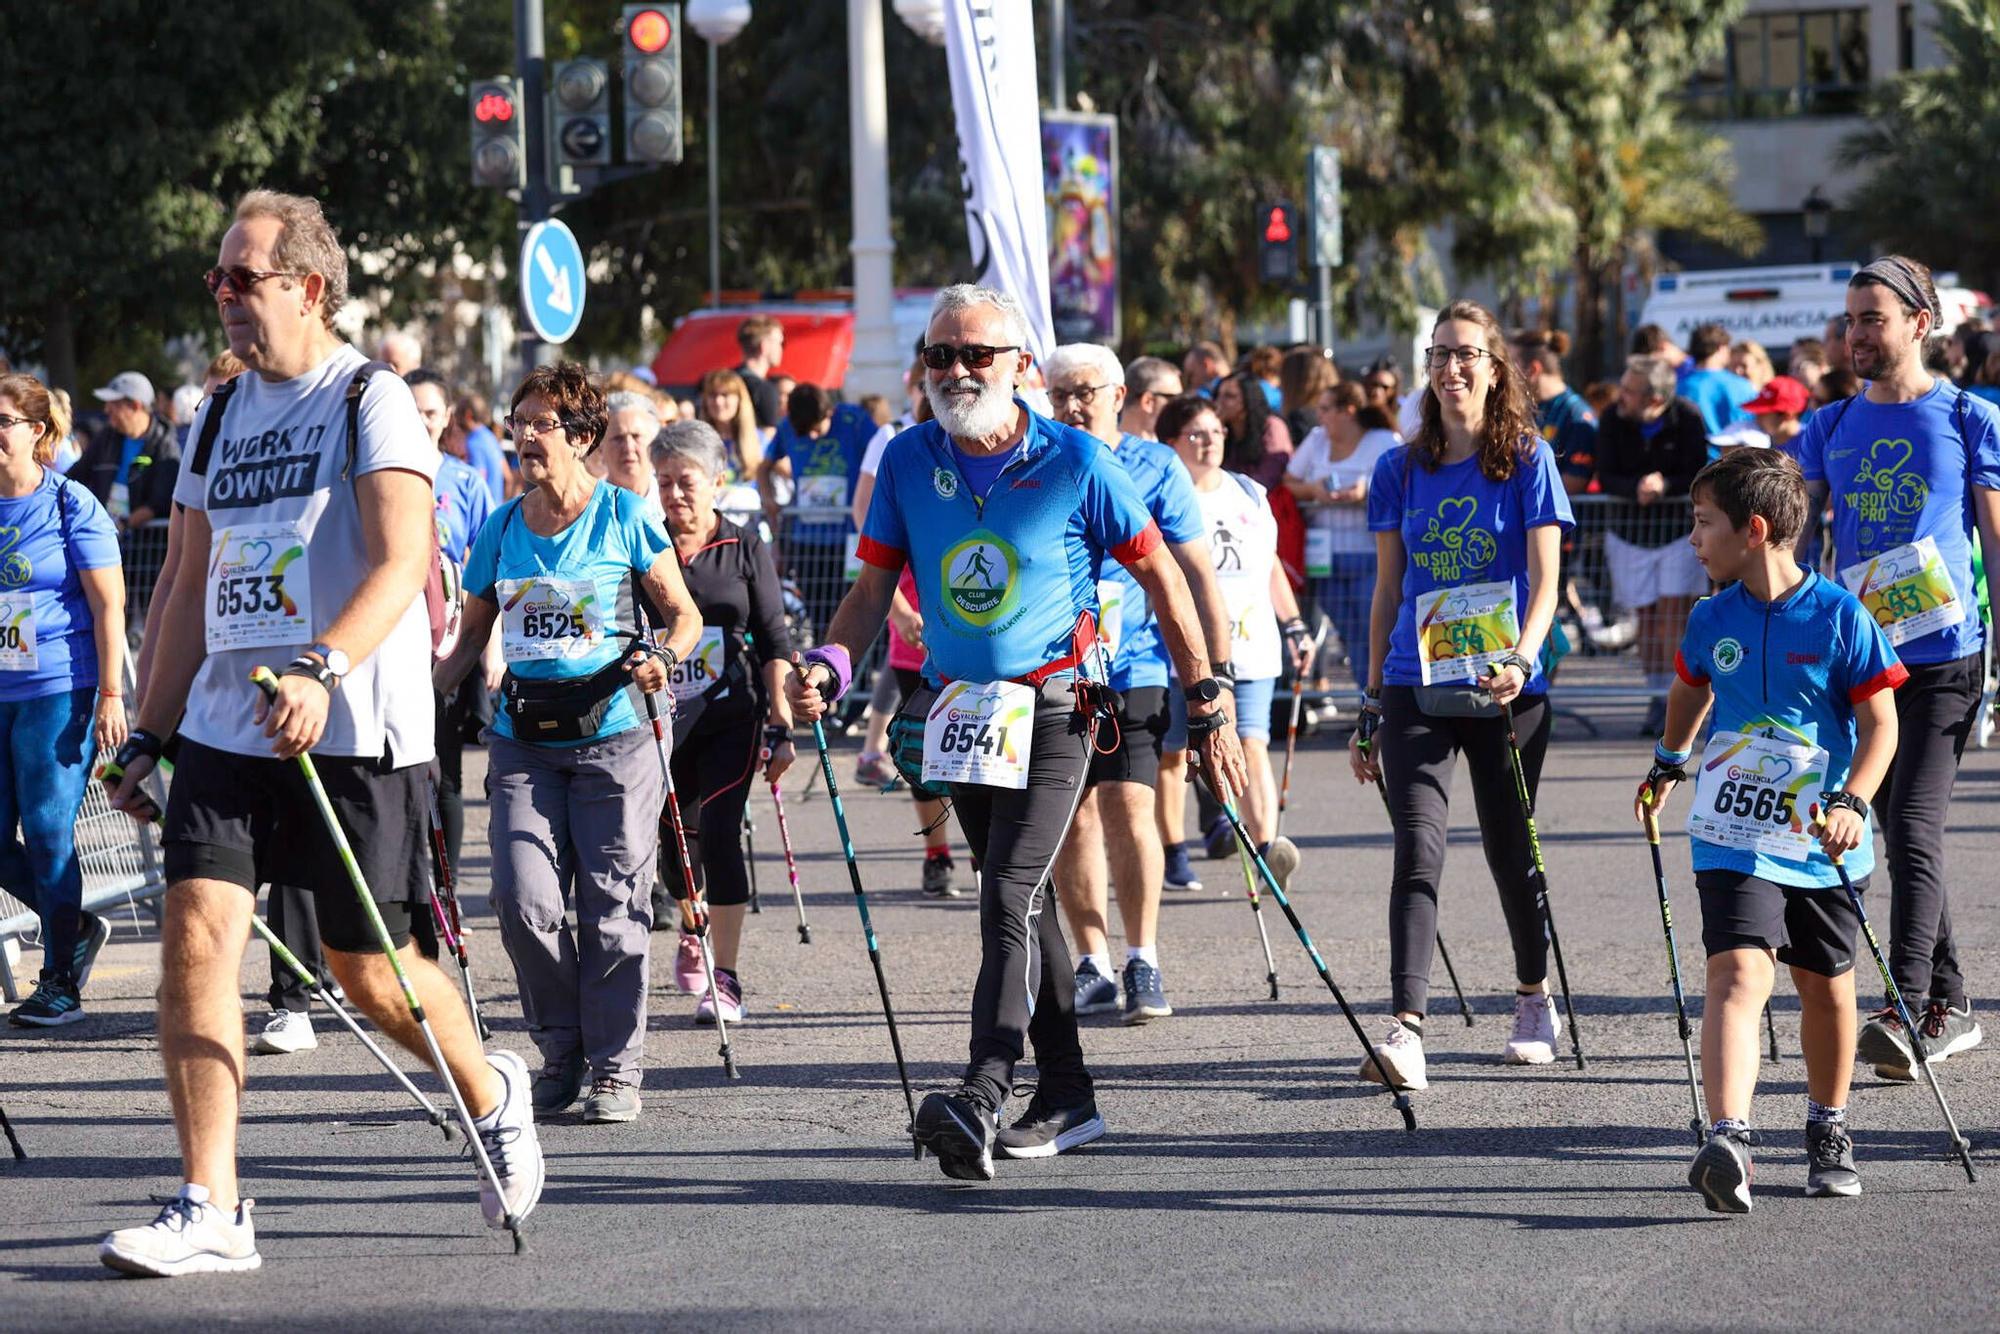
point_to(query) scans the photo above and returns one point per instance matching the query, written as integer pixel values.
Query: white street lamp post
(718, 21)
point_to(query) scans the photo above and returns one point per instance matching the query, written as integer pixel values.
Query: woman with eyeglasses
(1468, 520)
(1260, 444)
(62, 696)
(1331, 471)
(575, 776)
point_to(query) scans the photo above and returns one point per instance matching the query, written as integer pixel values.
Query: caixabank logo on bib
(980, 579)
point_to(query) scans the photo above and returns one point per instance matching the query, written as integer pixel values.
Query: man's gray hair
(1660, 378)
(694, 440)
(1071, 358)
(1146, 374)
(306, 242)
(627, 399)
(965, 296)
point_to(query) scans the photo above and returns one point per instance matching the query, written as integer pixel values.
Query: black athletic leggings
(712, 775)
(1418, 755)
(1027, 986)
(1935, 710)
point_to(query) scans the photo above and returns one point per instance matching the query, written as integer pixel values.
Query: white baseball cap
(127, 384)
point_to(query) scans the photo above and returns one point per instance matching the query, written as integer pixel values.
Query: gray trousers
(578, 826)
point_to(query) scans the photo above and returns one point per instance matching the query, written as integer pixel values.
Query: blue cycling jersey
(1570, 427)
(1163, 483)
(1792, 670)
(1004, 583)
(1901, 472)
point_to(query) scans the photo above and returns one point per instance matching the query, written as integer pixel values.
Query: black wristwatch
(1829, 800)
(314, 668)
(1205, 691)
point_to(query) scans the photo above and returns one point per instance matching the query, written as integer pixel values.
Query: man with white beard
(1005, 518)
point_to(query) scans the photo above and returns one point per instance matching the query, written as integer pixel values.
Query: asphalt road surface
(1247, 1180)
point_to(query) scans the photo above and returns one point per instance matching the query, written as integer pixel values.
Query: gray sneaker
(1145, 993)
(557, 1086)
(1282, 856)
(1095, 993)
(1722, 1172)
(611, 1100)
(1830, 1160)
(937, 877)
(1883, 1043)
(1948, 1031)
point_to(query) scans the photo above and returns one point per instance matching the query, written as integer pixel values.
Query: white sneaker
(1401, 1053)
(286, 1032)
(191, 1236)
(1536, 1027)
(508, 1132)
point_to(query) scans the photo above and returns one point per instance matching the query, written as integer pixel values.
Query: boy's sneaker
(93, 933)
(1282, 856)
(1046, 1130)
(285, 1032)
(1180, 871)
(937, 876)
(557, 1086)
(1947, 1030)
(1884, 1043)
(874, 770)
(689, 975)
(1536, 1027)
(1145, 993)
(508, 1132)
(1722, 1172)
(611, 1101)
(1830, 1160)
(960, 1131)
(1401, 1054)
(54, 1004)
(731, 992)
(1095, 993)
(191, 1236)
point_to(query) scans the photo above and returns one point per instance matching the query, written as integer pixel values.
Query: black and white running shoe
(1045, 1130)
(960, 1131)
(1722, 1172)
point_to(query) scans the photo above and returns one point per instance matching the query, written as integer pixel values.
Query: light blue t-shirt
(1459, 526)
(835, 454)
(463, 506)
(1168, 493)
(1720, 395)
(489, 460)
(1900, 472)
(611, 544)
(41, 593)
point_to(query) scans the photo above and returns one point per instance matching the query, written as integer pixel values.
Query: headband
(1895, 273)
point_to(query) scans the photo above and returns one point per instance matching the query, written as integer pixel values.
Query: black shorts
(1142, 726)
(1813, 929)
(251, 820)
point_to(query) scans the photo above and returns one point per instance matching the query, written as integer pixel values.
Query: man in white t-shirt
(307, 536)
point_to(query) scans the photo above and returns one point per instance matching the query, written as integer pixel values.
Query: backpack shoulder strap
(1838, 414)
(211, 422)
(356, 387)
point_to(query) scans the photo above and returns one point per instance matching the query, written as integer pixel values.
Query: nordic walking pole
(1959, 1143)
(750, 859)
(693, 911)
(1400, 1097)
(791, 864)
(867, 924)
(1699, 1124)
(320, 993)
(1291, 748)
(13, 1140)
(1366, 745)
(444, 908)
(1771, 1028)
(1541, 877)
(1263, 936)
(268, 683)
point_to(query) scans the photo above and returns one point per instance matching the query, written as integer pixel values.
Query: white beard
(991, 413)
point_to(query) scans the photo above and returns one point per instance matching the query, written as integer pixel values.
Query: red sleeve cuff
(1887, 679)
(1140, 547)
(880, 554)
(1681, 670)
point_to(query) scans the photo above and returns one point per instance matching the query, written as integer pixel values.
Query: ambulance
(1773, 306)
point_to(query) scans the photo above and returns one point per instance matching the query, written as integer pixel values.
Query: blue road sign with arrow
(552, 281)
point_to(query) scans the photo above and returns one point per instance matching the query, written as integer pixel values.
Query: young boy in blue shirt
(1802, 681)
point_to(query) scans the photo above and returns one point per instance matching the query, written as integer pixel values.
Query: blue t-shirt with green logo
(1168, 492)
(1003, 582)
(1901, 472)
(1459, 526)
(47, 537)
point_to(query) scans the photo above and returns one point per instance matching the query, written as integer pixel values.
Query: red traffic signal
(1277, 241)
(493, 108)
(1278, 228)
(649, 31)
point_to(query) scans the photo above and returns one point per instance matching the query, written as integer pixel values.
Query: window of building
(1811, 62)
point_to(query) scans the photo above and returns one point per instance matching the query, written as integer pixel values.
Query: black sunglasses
(976, 356)
(241, 278)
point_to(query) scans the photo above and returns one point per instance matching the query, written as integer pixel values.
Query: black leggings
(1935, 710)
(1418, 755)
(712, 774)
(1027, 986)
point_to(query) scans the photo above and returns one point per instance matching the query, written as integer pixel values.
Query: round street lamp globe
(924, 17)
(718, 21)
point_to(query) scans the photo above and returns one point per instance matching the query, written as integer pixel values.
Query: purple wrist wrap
(834, 658)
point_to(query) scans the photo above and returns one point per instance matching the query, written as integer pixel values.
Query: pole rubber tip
(1409, 1112)
(520, 1241)
(805, 935)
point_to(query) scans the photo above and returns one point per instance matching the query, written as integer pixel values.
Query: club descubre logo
(979, 578)
(1727, 655)
(945, 482)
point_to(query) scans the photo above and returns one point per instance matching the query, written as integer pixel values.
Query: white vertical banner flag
(997, 101)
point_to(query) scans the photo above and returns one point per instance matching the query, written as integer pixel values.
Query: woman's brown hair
(1349, 396)
(37, 404)
(742, 433)
(577, 402)
(1507, 429)
(1303, 376)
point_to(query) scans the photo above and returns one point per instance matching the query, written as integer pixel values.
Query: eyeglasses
(1083, 395)
(1467, 357)
(9, 423)
(976, 356)
(241, 278)
(525, 427)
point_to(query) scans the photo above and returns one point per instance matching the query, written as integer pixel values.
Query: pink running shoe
(689, 975)
(731, 991)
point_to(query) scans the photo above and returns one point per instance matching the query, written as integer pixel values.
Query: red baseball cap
(1780, 394)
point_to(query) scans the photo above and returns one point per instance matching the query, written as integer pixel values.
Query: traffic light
(652, 84)
(1277, 243)
(1323, 196)
(580, 114)
(499, 146)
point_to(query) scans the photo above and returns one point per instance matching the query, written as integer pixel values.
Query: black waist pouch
(562, 710)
